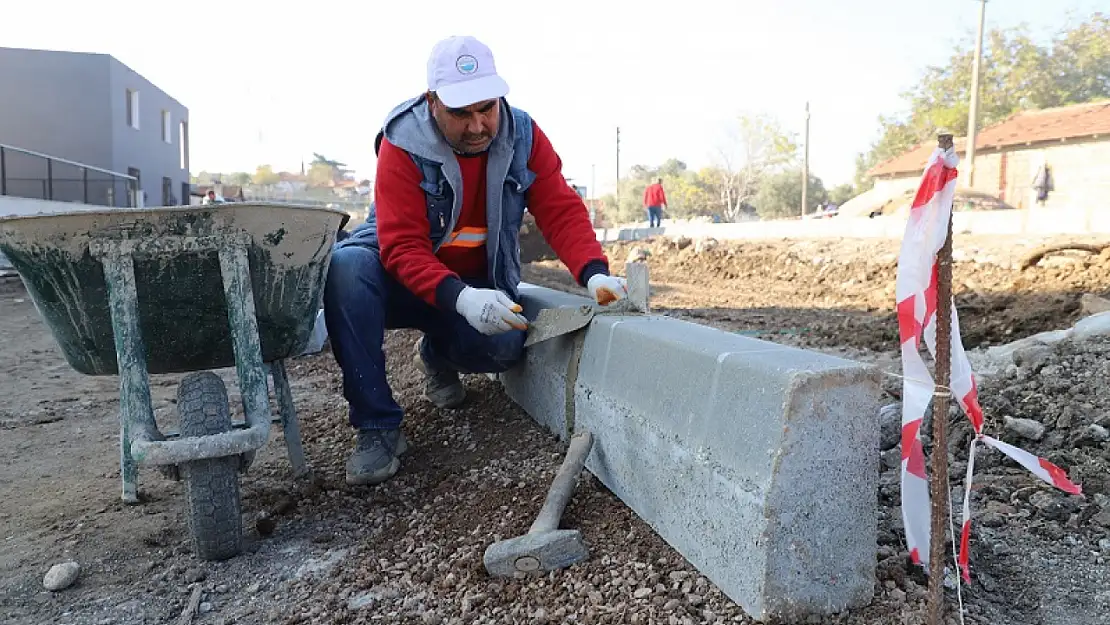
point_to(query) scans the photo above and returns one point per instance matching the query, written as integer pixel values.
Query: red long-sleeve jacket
(402, 222)
(654, 196)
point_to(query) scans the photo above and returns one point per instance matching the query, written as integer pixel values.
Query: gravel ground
(409, 551)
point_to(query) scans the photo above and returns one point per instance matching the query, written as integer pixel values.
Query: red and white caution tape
(916, 295)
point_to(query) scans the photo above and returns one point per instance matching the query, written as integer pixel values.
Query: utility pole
(805, 165)
(618, 168)
(973, 111)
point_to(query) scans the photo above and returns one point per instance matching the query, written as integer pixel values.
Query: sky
(266, 85)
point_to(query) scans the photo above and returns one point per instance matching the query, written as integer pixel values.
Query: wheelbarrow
(184, 289)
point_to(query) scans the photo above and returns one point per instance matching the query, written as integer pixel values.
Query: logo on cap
(466, 64)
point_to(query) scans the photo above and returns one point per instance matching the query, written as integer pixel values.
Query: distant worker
(210, 198)
(439, 251)
(1042, 183)
(655, 201)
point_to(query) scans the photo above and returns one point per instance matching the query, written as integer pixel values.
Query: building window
(167, 127)
(184, 139)
(133, 108)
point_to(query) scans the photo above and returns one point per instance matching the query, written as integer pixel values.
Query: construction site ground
(409, 551)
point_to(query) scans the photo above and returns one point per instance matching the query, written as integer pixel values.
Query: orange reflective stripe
(463, 244)
(467, 237)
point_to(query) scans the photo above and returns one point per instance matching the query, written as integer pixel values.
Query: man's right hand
(490, 311)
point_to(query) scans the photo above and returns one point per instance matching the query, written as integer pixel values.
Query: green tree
(841, 194)
(264, 175)
(240, 178)
(780, 194)
(1081, 60)
(1016, 74)
(678, 182)
(323, 171)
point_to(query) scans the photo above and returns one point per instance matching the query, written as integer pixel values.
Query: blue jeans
(361, 300)
(655, 216)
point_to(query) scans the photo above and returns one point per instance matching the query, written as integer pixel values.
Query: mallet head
(539, 552)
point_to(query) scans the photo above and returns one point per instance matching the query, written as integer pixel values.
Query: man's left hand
(607, 289)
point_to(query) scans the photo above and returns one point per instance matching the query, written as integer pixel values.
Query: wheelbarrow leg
(249, 368)
(136, 412)
(289, 419)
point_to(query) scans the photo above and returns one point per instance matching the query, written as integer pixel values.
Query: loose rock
(1091, 435)
(61, 576)
(1025, 428)
(195, 575)
(1091, 304)
(890, 426)
(704, 245)
(638, 255)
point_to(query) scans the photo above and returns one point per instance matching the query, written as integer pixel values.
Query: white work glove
(607, 289)
(490, 311)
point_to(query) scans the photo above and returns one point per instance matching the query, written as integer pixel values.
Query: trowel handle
(563, 486)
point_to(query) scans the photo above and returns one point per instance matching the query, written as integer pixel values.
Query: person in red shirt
(440, 250)
(655, 201)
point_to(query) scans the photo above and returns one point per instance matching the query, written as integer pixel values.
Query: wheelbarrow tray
(183, 313)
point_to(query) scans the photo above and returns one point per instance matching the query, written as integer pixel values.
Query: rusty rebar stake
(939, 486)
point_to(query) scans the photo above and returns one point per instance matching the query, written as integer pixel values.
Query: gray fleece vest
(410, 127)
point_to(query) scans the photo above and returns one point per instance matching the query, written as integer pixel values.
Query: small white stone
(1025, 428)
(641, 593)
(362, 600)
(61, 576)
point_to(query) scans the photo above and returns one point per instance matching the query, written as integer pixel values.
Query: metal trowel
(553, 322)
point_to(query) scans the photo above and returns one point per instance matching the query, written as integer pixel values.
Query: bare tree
(756, 146)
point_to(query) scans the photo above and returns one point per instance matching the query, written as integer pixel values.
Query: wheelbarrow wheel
(212, 484)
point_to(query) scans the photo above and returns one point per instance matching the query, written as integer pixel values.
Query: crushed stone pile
(1031, 545)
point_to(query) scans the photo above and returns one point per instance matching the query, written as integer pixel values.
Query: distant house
(290, 183)
(92, 110)
(351, 189)
(1072, 141)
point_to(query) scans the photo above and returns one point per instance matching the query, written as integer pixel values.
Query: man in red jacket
(440, 250)
(654, 201)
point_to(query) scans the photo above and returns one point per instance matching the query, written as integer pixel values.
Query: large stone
(1025, 428)
(1001, 356)
(756, 461)
(1091, 304)
(890, 426)
(61, 576)
(1089, 327)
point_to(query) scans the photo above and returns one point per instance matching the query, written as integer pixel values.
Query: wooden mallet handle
(562, 487)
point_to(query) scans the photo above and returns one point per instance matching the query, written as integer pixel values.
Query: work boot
(441, 385)
(376, 457)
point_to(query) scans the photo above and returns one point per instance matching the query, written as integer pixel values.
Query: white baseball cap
(461, 72)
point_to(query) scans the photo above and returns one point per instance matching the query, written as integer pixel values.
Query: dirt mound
(826, 293)
(533, 247)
